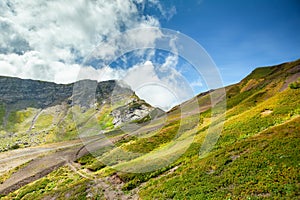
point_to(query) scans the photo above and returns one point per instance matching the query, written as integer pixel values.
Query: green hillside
(33, 112)
(256, 157)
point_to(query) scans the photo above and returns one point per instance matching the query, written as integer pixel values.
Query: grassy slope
(31, 127)
(265, 164)
(257, 155)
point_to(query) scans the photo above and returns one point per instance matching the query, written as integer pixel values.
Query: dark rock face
(19, 94)
(87, 92)
(38, 94)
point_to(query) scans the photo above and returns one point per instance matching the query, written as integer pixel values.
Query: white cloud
(159, 96)
(167, 13)
(141, 74)
(164, 90)
(80, 24)
(53, 27)
(61, 32)
(11, 41)
(45, 40)
(197, 83)
(31, 65)
(144, 80)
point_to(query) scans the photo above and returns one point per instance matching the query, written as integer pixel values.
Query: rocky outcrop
(134, 111)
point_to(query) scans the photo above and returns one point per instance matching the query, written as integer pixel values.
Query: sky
(241, 35)
(64, 41)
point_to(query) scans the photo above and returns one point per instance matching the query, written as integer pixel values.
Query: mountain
(36, 112)
(256, 156)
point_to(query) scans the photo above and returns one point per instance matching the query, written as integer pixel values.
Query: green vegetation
(261, 166)
(104, 118)
(2, 114)
(259, 73)
(11, 121)
(44, 121)
(143, 120)
(256, 157)
(66, 129)
(295, 85)
(11, 172)
(91, 161)
(57, 184)
(145, 145)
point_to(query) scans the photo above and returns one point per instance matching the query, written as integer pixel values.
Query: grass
(7, 175)
(104, 118)
(145, 145)
(57, 184)
(91, 160)
(66, 129)
(295, 85)
(256, 156)
(261, 168)
(44, 121)
(2, 115)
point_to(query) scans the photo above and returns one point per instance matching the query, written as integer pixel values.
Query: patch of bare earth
(46, 159)
(266, 112)
(110, 187)
(14, 158)
(291, 79)
(37, 169)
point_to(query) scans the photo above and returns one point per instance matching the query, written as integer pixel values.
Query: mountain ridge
(36, 108)
(255, 157)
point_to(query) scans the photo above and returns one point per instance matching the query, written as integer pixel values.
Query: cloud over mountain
(50, 40)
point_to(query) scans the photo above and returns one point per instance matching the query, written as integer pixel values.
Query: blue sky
(240, 35)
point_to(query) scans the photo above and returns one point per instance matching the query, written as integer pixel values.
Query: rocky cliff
(33, 112)
(38, 94)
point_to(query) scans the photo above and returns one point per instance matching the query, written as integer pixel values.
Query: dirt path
(110, 186)
(14, 158)
(47, 158)
(39, 167)
(34, 120)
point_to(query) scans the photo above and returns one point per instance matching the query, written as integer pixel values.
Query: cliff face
(29, 93)
(21, 93)
(37, 111)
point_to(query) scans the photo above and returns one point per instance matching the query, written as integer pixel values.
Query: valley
(80, 150)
